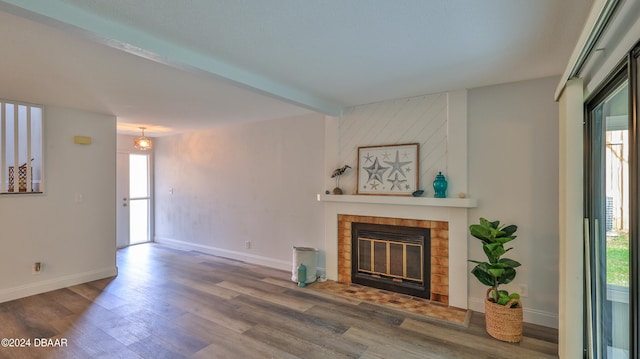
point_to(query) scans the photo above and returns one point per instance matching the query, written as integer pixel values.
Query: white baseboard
(529, 315)
(226, 253)
(55, 283)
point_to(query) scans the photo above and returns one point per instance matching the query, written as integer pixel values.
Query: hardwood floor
(167, 303)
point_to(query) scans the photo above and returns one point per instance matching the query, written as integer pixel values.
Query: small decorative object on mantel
(440, 186)
(336, 174)
(503, 311)
(418, 193)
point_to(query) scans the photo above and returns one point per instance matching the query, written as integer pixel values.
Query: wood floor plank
(460, 339)
(292, 344)
(286, 301)
(249, 349)
(225, 343)
(408, 346)
(390, 351)
(312, 328)
(168, 303)
(218, 291)
(319, 322)
(107, 300)
(68, 299)
(356, 315)
(208, 307)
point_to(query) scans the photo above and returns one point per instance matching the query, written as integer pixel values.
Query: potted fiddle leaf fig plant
(503, 311)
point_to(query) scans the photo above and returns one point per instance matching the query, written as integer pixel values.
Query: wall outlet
(37, 267)
(247, 244)
(523, 290)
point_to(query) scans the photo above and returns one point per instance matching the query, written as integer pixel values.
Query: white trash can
(307, 256)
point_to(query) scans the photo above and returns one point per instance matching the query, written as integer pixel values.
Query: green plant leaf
(493, 224)
(493, 251)
(496, 272)
(507, 276)
(510, 230)
(499, 265)
(509, 262)
(484, 276)
(482, 233)
(503, 240)
(503, 300)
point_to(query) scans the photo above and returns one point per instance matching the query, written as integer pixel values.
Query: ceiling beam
(125, 38)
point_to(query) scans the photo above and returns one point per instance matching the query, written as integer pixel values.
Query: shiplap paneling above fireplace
(420, 120)
(438, 122)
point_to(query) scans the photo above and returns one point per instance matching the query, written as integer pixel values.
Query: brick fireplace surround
(446, 217)
(439, 249)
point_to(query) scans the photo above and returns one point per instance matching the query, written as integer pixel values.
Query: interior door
(122, 200)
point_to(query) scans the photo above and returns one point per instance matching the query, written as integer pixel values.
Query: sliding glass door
(612, 218)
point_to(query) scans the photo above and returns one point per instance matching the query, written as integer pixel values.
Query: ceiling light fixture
(142, 142)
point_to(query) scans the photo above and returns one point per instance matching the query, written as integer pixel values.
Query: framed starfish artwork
(388, 170)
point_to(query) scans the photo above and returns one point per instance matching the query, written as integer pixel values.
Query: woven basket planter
(503, 322)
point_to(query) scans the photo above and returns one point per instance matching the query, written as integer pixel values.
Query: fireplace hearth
(391, 257)
(438, 279)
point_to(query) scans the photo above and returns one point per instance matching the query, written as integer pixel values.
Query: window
(21, 148)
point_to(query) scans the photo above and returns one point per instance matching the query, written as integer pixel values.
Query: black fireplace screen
(395, 258)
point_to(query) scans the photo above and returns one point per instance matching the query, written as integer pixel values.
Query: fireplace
(446, 218)
(438, 279)
(395, 258)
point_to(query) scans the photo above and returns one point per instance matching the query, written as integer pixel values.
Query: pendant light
(142, 142)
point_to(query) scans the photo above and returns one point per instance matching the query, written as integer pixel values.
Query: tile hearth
(398, 301)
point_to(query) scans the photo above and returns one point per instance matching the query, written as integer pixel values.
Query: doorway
(133, 200)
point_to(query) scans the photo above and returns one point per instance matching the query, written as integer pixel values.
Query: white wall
(71, 227)
(255, 182)
(513, 172)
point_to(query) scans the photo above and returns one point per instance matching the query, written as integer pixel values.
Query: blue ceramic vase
(440, 186)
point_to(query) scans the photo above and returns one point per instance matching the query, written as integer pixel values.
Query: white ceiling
(176, 66)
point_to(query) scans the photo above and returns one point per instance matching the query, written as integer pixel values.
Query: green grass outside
(618, 260)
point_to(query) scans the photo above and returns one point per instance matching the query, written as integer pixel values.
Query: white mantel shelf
(400, 200)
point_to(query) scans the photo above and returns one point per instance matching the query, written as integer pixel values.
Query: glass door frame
(627, 70)
(633, 61)
(148, 198)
